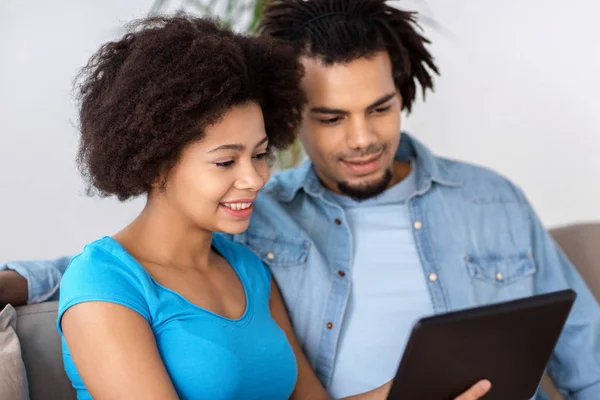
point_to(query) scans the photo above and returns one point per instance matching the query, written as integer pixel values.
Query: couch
(40, 342)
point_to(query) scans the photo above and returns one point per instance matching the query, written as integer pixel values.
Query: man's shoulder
(274, 201)
(467, 171)
(479, 179)
(272, 214)
(284, 184)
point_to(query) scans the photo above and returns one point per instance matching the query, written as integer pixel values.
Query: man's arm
(13, 289)
(575, 364)
(31, 281)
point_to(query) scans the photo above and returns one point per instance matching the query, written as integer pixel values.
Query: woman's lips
(241, 208)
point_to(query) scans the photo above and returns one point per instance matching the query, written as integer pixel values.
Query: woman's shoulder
(103, 257)
(104, 270)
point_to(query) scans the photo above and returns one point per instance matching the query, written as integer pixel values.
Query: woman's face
(216, 180)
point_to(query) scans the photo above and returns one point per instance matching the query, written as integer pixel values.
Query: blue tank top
(206, 355)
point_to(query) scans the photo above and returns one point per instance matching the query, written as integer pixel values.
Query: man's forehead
(352, 85)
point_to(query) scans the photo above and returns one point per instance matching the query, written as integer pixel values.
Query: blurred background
(518, 93)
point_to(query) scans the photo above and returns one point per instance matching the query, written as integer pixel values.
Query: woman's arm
(115, 353)
(307, 386)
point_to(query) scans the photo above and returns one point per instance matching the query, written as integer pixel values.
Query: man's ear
(399, 97)
(304, 117)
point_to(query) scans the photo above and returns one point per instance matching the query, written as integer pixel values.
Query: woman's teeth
(237, 206)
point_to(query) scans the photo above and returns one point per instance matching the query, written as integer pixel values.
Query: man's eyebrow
(326, 110)
(382, 100)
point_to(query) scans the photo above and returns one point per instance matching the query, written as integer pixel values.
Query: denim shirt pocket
(501, 277)
(278, 252)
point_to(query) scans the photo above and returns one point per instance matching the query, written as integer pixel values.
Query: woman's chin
(235, 228)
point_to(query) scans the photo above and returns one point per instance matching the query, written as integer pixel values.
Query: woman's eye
(225, 164)
(262, 156)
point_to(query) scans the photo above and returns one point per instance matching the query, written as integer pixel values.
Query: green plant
(243, 16)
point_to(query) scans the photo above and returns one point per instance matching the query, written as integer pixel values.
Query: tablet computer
(508, 343)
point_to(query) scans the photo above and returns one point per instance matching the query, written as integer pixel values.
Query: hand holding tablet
(508, 344)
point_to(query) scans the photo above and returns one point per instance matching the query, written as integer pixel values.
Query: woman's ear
(160, 183)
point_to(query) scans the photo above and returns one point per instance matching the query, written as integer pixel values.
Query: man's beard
(366, 191)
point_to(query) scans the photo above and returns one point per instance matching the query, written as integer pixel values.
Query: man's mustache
(360, 153)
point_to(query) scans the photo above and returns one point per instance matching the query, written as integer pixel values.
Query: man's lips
(363, 166)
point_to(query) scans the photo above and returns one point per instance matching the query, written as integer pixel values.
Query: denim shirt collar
(430, 169)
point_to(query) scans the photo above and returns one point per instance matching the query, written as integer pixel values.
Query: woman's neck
(163, 236)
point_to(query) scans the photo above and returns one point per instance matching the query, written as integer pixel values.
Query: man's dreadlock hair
(340, 31)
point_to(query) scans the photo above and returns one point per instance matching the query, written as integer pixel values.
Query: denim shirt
(478, 239)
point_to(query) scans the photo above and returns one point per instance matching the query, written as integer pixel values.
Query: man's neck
(400, 170)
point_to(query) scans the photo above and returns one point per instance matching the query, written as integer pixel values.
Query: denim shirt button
(270, 256)
(433, 277)
(417, 225)
(329, 325)
(499, 276)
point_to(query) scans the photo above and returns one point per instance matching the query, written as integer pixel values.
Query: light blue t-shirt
(206, 355)
(388, 291)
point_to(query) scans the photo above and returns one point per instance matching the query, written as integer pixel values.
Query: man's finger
(476, 391)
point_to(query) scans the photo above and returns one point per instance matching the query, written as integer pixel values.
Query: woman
(184, 112)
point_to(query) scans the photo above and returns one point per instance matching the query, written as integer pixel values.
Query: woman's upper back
(205, 354)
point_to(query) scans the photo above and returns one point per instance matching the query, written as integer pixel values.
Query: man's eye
(383, 109)
(225, 164)
(330, 121)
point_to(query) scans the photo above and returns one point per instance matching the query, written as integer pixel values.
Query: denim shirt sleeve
(575, 364)
(43, 277)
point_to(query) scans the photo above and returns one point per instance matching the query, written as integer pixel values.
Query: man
(376, 231)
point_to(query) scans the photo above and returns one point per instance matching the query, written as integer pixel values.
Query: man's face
(351, 127)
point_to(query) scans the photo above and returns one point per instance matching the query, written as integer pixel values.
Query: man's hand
(379, 393)
(476, 391)
(13, 289)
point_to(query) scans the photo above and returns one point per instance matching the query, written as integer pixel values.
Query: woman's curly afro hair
(146, 96)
